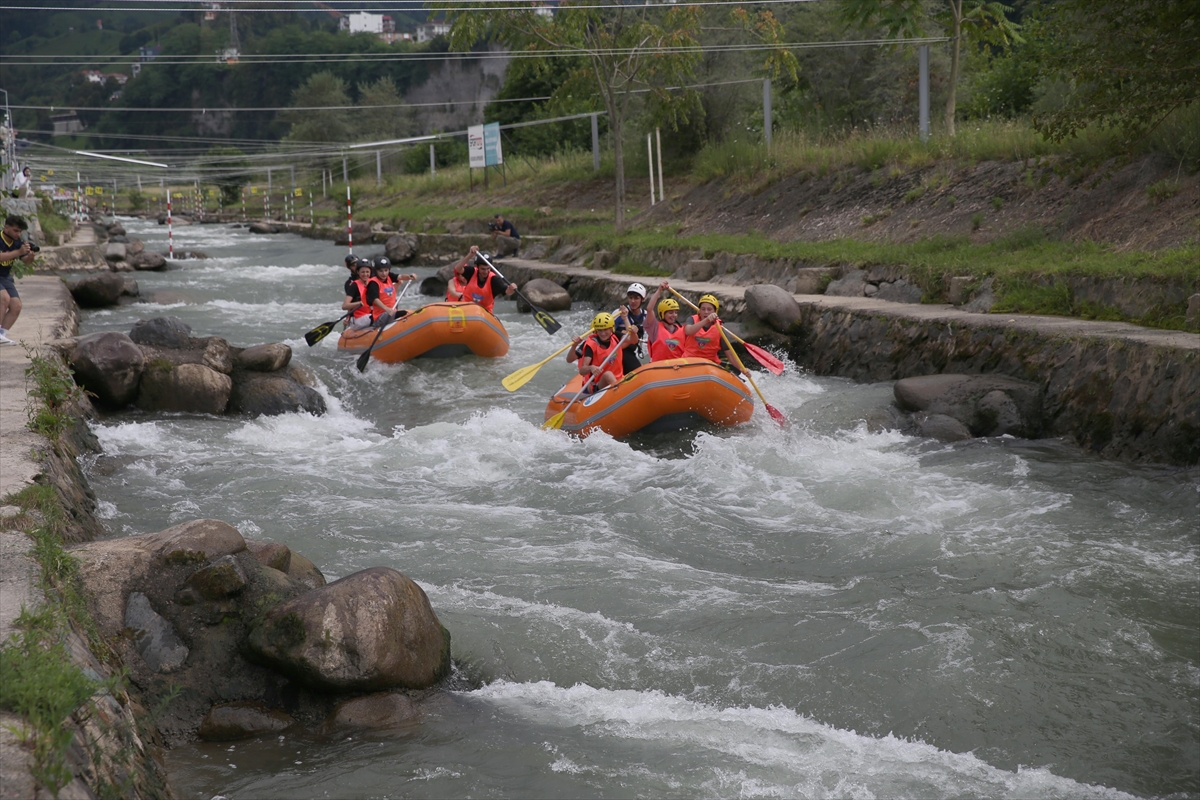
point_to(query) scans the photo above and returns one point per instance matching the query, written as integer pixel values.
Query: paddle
(522, 376)
(557, 420)
(383, 321)
(543, 318)
(775, 413)
(321, 331)
(770, 362)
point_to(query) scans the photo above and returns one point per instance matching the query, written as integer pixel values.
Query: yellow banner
(88, 191)
(298, 192)
(253, 190)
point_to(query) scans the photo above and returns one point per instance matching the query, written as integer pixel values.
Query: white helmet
(636, 288)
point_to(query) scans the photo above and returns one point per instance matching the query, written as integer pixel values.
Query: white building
(429, 30)
(380, 25)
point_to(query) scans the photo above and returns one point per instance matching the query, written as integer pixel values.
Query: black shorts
(7, 284)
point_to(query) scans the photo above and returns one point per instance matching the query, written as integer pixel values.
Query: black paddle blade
(549, 323)
(363, 360)
(320, 332)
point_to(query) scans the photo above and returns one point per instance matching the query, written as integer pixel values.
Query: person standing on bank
(505, 238)
(703, 334)
(11, 249)
(664, 333)
(482, 285)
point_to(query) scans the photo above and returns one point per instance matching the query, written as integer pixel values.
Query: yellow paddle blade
(554, 422)
(520, 377)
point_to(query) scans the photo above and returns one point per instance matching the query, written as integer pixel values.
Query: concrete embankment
(1116, 389)
(112, 751)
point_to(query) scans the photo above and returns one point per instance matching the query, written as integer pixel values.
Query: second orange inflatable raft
(660, 396)
(438, 330)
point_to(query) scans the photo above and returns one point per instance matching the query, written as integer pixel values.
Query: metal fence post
(596, 142)
(923, 92)
(768, 122)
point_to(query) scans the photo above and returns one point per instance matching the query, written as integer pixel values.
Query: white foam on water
(770, 752)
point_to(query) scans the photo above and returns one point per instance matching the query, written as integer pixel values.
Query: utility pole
(768, 122)
(923, 92)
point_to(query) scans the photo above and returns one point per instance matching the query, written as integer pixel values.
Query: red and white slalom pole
(170, 235)
(349, 221)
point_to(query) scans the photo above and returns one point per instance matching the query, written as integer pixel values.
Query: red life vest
(600, 352)
(364, 309)
(666, 344)
(457, 286)
(480, 294)
(704, 343)
(387, 293)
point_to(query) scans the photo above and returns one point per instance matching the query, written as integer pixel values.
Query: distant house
(92, 75)
(380, 25)
(430, 30)
(66, 124)
(149, 53)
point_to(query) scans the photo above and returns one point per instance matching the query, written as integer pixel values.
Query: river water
(827, 611)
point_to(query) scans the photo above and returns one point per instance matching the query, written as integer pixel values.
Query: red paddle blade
(770, 362)
(777, 415)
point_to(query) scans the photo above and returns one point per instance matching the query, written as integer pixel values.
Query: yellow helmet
(665, 305)
(603, 320)
(710, 298)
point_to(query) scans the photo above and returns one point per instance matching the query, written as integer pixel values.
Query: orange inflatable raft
(660, 396)
(438, 330)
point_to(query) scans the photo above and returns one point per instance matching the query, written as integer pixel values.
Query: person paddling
(356, 297)
(634, 311)
(381, 290)
(596, 348)
(664, 332)
(458, 284)
(702, 336)
(482, 285)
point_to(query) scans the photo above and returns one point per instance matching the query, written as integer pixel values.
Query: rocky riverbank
(163, 637)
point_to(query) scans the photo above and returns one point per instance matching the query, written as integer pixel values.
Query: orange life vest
(457, 286)
(480, 294)
(601, 352)
(364, 309)
(704, 343)
(666, 344)
(387, 293)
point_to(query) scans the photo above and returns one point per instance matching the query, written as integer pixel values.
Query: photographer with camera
(505, 239)
(12, 248)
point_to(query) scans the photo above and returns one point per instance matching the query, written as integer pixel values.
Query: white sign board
(475, 150)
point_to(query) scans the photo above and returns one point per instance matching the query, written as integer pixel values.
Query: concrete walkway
(932, 314)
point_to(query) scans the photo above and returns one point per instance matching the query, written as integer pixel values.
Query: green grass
(51, 391)
(40, 682)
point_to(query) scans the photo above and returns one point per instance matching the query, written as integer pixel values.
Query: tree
(1128, 64)
(311, 122)
(985, 20)
(384, 114)
(232, 181)
(623, 49)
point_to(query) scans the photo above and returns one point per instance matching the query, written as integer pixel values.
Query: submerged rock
(375, 711)
(231, 722)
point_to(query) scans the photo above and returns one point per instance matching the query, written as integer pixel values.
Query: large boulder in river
(98, 291)
(162, 332)
(114, 251)
(987, 405)
(266, 394)
(368, 631)
(773, 305)
(401, 247)
(545, 294)
(263, 227)
(148, 260)
(264, 357)
(192, 388)
(109, 365)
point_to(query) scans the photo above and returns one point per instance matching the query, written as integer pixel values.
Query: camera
(493, 226)
(33, 248)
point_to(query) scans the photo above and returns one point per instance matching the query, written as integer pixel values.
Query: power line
(357, 4)
(574, 52)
